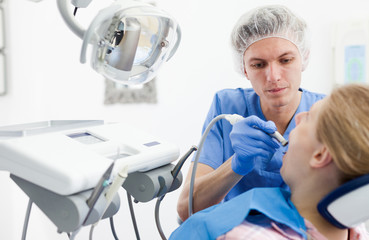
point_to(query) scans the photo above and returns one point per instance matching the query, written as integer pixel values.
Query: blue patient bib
(217, 220)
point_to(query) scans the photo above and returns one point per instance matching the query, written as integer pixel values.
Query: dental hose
(201, 143)
(232, 119)
(176, 170)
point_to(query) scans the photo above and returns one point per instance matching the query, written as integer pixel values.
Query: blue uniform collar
(215, 221)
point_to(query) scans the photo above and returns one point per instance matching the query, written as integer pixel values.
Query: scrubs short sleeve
(217, 147)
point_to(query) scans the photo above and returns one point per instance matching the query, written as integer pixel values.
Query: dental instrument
(276, 135)
(232, 119)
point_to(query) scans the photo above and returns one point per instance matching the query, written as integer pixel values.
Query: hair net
(265, 22)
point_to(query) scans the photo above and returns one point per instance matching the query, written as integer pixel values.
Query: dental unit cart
(60, 163)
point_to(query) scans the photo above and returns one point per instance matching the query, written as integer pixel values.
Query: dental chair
(348, 205)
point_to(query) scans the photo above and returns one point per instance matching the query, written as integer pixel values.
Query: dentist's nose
(273, 73)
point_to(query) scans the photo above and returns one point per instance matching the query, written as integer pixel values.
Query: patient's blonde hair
(343, 126)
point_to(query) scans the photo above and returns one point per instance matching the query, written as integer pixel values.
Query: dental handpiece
(233, 118)
(276, 135)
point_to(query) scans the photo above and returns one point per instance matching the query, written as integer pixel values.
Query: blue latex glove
(250, 139)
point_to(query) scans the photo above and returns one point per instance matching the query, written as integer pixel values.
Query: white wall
(46, 81)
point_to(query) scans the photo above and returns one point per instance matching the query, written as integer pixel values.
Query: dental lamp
(130, 40)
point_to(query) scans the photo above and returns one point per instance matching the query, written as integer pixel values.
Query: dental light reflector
(130, 40)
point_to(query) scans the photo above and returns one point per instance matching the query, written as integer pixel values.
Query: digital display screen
(86, 138)
(150, 144)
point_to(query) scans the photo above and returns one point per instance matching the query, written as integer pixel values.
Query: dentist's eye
(258, 65)
(286, 60)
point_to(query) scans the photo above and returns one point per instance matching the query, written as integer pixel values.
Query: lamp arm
(69, 19)
(81, 3)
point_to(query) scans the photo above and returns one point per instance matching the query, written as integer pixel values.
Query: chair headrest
(348, 205)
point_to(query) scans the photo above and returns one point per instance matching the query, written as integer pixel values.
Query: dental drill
(232, 119)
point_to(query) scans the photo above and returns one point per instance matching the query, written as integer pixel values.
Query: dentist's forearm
(211, 186)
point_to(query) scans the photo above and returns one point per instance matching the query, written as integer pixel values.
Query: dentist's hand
(250, 139)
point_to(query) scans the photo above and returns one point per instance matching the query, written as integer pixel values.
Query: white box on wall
(350, 41)
(2, 27)
(2, 50)
(2, 74)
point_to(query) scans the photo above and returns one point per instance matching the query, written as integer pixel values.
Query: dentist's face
(274, 67)
(303, 143)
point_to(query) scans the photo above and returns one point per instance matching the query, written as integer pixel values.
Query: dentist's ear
(244, 70)
(244, 67)
(321, 157)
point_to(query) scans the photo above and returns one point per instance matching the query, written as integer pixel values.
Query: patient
(328, 147)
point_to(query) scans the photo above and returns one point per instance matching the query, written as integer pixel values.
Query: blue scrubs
(217, 147)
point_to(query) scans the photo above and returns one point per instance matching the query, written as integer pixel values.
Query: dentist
(271, 48)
